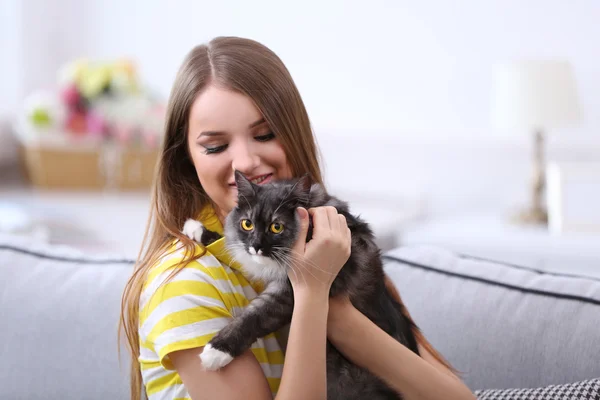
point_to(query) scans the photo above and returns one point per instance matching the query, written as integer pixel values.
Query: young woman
(234, 106)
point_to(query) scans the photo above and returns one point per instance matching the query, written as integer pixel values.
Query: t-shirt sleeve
(184, 313)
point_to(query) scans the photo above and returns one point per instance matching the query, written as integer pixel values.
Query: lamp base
(531, 216)
(536, 213)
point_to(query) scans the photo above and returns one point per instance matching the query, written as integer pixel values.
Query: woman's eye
(265, 138)
(216, 149)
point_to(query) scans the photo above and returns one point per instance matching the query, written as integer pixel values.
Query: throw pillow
(583, 390)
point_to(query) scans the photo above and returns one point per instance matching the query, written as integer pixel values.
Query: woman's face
(226, 133)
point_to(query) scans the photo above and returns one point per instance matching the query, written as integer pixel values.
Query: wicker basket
(91, 168)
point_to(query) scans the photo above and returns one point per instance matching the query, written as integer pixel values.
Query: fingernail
(300, 213)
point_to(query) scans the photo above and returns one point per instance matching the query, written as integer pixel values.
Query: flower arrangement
(98, 101)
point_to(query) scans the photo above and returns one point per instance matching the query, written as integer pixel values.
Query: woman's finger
(301, 240)
(343, 223)
(349, 233)
(320, 220)
(334, 221)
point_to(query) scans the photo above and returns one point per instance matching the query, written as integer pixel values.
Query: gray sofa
(503, 326)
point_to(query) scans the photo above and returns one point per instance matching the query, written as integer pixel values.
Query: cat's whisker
(310, 272)
(297, 272)
(283, 202)
(290, 265)
(299, 264)
(235, 247)
(294, 259)
(287, 198)
(299, 260)
(296, 275)
(279, 206)
(277, 260)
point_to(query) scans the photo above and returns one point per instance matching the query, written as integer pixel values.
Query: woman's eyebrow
(256, 123)
(221, 133)
(211, 133)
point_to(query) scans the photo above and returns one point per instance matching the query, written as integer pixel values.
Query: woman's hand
(317, 263)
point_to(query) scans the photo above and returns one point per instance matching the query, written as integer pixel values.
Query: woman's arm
(303, 376)
(243, 378)
(304, 371)
(367, 345)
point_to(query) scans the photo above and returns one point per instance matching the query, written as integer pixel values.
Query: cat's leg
(198, 233)
(267, 313)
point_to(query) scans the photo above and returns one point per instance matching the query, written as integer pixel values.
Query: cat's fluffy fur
(265, 255)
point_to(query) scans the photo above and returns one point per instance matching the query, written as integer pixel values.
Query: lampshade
(537, 94)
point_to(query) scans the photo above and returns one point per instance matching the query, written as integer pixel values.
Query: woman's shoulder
(176, 257)
(177, 263)
(176, 252)
(179, 272)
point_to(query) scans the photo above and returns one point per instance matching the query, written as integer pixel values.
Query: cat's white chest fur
(254, 263)
(260, 267)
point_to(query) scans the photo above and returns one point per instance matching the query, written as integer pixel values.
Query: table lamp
(532, 97)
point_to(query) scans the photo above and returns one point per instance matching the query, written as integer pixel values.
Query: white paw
(193, 229)
(213, 359)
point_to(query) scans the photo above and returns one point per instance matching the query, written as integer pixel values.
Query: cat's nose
(255, 250)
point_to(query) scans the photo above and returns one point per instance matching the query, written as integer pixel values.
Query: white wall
(414, 75)
(10, 77)
(386, 66)
(383, 65)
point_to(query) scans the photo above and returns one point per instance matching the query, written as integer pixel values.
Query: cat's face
(264, 226)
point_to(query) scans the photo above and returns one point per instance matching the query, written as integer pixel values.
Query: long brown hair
(240, 65)
(244, 66)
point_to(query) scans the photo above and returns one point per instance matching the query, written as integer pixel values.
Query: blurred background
(474, 125)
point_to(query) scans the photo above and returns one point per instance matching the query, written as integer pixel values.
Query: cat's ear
(301, 189)
(304, 184)
(244, 186)
(318, 194)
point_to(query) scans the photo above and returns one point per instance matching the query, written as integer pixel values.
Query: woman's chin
(233, 203)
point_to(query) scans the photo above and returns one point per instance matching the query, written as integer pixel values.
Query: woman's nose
(245, 160)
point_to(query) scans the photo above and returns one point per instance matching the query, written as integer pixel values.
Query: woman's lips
(258, 180)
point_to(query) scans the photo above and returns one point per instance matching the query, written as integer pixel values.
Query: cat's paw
(213, 359)
(193, 229)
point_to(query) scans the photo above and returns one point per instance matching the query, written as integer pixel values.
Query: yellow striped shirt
(190, 309)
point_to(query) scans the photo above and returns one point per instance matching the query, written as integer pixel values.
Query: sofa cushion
(584, 390)
(59, 310)
(503, 326)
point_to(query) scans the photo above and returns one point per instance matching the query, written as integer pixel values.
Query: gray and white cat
(260, 232)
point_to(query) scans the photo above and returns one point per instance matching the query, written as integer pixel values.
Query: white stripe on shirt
(176, 304)
(272, 371)
(189, 331)
(188, 274)
(171, 392)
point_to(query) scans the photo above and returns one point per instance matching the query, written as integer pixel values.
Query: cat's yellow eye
(247, 225)
(276, 227)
